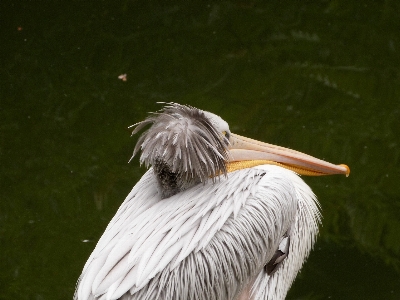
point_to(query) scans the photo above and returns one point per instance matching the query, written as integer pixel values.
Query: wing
(207, 242)
(302, 236)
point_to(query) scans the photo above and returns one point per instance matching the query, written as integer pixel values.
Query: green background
(321, 77)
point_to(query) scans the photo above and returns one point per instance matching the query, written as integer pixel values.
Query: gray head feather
(186, 140)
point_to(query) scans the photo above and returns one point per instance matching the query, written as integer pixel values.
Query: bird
(215, 216)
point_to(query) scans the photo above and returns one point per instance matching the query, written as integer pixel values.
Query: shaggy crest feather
(184, 138)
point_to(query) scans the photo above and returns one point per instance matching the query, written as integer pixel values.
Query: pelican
(216, 216)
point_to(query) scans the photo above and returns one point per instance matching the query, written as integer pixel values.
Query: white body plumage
(152, 244)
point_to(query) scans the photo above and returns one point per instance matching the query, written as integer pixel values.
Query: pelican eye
(226, 136)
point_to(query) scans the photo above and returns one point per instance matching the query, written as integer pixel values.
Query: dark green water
(321, 78)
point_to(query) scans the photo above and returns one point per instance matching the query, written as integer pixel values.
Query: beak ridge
(246, 149)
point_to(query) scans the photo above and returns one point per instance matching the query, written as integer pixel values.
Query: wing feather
(203, 242)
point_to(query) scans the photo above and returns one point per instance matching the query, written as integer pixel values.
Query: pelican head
(217, 216)
(186, 146)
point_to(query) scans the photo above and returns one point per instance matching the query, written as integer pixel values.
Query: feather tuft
(185, 139)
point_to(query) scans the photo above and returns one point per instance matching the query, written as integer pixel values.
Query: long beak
(245, 153)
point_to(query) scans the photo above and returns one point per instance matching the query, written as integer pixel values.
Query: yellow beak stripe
(244, 164)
